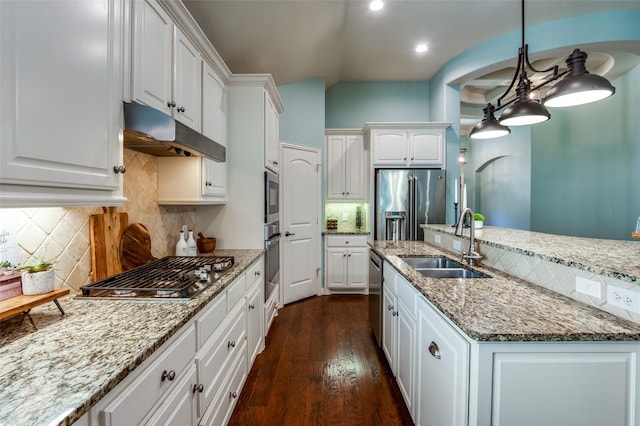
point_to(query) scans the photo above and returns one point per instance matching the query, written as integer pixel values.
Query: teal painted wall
(303, 121)
(586, 166)
(351, 104)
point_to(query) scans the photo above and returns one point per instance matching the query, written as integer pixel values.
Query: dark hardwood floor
(321, 367)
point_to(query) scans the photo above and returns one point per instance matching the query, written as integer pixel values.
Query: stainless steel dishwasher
(375, 295)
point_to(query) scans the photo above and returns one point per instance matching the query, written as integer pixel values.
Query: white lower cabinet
(197, 376)
(443, 371)
(347, 267)
(461, 381)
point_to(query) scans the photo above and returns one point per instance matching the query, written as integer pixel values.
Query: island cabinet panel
(60, 102)
(180, 407)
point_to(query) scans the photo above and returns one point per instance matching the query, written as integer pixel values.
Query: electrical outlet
(588, 287)
(623, 298)
(437, 238)
(457, 245)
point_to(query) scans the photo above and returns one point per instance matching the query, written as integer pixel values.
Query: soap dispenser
(181, 246)
(192, 247)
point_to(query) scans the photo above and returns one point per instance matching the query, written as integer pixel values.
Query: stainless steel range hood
(154, 132)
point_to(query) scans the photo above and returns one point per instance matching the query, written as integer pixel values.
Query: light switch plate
(437, 238)
(588, 287)
(345, 217)
(457, 245)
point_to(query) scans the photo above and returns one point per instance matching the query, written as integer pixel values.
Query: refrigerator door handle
(410, 225)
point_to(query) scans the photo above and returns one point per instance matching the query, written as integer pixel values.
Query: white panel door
(300, 194)
(187, 85)
(152, 56)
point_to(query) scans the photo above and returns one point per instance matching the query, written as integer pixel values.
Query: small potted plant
(478, 220)
(38, 278)
(6, 267)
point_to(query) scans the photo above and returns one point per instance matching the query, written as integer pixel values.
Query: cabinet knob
(198, 388)
(233, 395)
(171, 104)
(395, 313)
(231, 344)
(167, 375)
(252, 306)
(181, 109)
(390, 307)
(344, 254)
(404, 158)
(411, 158)
(434, 350)
(207, 183)
(275, 163)
(349, 255)
(119, 169)
(257, 273)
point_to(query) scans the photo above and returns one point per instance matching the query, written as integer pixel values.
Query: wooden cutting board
(135, 246)
(106, 230)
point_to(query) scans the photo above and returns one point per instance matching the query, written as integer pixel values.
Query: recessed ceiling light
(376, 5)
(421, 48)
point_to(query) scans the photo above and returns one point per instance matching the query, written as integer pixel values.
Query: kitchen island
(53, 373)
(493, 351)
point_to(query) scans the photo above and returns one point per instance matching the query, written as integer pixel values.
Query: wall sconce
(462, 160)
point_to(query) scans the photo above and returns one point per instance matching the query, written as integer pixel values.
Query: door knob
(286, 234)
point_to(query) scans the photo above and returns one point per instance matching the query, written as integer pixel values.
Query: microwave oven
(271, 197)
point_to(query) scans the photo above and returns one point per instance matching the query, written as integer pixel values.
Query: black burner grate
(172, 277)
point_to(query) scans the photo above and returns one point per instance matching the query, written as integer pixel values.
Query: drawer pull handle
(168, 376)
(233, 395)
(434, 350)
(198, 388)
(231, 344)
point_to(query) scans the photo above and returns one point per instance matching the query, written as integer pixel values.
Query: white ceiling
(341, 40)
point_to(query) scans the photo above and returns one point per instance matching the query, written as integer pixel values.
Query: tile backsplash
(62, 233)
(345, 213)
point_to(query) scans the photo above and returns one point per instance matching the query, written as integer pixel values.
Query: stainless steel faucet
(471, 256)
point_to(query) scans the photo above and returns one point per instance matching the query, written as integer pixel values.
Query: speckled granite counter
(613, 258)
(53, 375)
(504, 308)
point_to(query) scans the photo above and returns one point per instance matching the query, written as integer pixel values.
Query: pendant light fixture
(578, 87)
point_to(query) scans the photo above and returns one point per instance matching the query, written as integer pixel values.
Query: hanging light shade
(524, 110)
(489, 127)
(578, 86)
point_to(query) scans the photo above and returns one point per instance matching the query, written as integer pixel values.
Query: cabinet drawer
(216, 357)
(225, 400)
(254, 274)
(346, 241)
(209, 321)
(138, 398)
(236, 291)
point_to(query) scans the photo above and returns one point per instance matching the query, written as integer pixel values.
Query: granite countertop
(614, 258)
(54, 374)
(504, 308)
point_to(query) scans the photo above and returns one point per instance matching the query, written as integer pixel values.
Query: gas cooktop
(168, 278)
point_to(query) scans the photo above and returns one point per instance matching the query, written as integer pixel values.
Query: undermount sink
(441, 267)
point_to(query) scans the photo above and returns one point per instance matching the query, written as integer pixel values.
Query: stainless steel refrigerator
(407, 198)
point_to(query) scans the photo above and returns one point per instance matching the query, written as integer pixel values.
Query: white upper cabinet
(345, 167)
(167, 67)
(271, 135)
(215, 103)
(60, 98)
(408, 144)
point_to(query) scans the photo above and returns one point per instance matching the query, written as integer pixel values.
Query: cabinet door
(180, 407)
(60, 94)
(152, 56)
(187, 82)
(335, 170)
(354, 163)
(254, 321)
(358, 268)
(271, 135)
(443, 372)
(389, 328)
(336, 274)
(390, 147)
(426, 147)
(214, 105)
(406, 353)
(215, 178)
